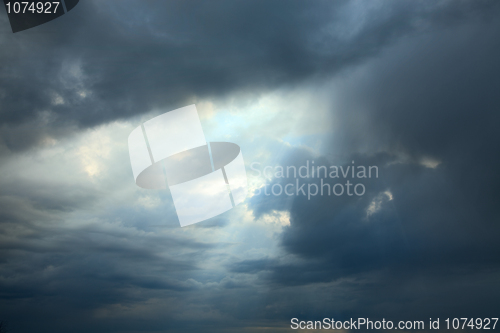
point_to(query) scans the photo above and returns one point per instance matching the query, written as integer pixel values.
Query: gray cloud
(415, 92)
(433, 97)
(112, 60)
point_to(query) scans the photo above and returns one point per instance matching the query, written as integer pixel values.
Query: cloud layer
(411, 87)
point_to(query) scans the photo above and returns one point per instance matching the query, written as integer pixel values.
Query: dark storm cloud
(77, 269)
(437, 97)
(429, 244)
(114, 59)
(419, 80)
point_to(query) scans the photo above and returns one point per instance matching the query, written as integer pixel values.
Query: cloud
(428, 98)
(110, 61)
(409, 87)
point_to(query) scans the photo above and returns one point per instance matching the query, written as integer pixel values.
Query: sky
(410, 87)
